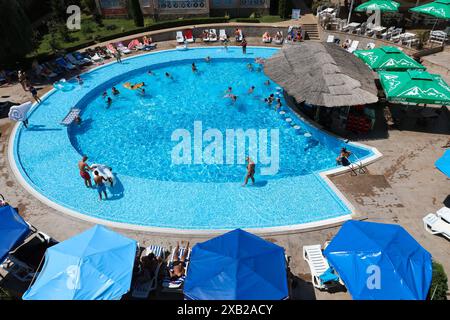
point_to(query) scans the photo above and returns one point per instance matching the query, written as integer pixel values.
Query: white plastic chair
(180, 37)
(444, 213)
(212, 35)
(435, 225)
(353, 46)
(317, 264)
(141, 290)
(330, 38)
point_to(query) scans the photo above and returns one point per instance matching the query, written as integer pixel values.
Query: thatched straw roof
(322, 74)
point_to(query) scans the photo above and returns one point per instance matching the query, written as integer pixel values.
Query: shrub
(439, 286)
(247, 20)
(284, 8)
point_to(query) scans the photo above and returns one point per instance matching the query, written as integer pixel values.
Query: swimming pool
(137, 135)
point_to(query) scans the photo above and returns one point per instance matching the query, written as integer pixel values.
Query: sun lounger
(330, 39)
(279, 39)
(370, 45)
(353, 46)
(180, 37)
(205, 35)
(141, 290)
(222, 35)
(178, 283)
(435, 225)
(444, 213)
(64, 64)
(96, 58)
(70, 117)
(323, 276)
(122, 48)
(212, 35)
(188, 35)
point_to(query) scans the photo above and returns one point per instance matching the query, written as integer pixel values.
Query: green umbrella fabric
(415, 86)
(382, 5)
(387, 58)
(439, 9)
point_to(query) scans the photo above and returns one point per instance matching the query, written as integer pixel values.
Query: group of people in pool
(98, 179)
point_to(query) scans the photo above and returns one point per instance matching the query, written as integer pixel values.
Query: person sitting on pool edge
(342, 159)
(84, 168)
(250, 171)
(101, 187)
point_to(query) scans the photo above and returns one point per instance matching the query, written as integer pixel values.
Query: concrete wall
(363, 41)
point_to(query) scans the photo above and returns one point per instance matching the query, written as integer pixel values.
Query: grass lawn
(269, 19)
(89, 31)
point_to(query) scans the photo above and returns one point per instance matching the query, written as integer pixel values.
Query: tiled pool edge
(265, 230)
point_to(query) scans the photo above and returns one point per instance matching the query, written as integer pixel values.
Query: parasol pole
(350, 11)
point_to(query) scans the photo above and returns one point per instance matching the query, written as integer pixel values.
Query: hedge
(247, 20)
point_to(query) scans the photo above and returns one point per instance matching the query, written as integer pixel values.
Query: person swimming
(271, 98)
(343, 157)
(150, 72)
(208, 59)
(168, 75)
(279, 105)
(252, 88)
(105, 94)
(233, 98)
(267, 83)
(142, 91)
(108, 102)
(115, 91)
(194, 67)
(250, 67)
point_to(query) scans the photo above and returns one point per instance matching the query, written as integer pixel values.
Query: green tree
(16, 32)
(136, 13)
(284, 8)
(58, 8)
(89, 6)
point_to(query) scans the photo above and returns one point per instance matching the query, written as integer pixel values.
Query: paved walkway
(400, 188)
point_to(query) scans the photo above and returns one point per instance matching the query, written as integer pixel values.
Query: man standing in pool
(84, 168)
(101, 187)
(244, 46)
(250, 171)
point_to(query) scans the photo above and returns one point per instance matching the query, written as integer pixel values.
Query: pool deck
(402, 187)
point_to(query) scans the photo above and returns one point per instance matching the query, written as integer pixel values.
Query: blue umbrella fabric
(380, 261)
(13, 230)
(237, 266)
(94, 265)
(443, 163)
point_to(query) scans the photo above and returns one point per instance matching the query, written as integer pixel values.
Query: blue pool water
(135, 137)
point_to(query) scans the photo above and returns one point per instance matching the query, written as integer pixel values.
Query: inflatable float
(63, 85)
(133, 86)
(105, 172)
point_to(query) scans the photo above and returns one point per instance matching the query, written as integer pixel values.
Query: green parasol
(387, 58)
(415, 86)
(381, 5)
(439, 9)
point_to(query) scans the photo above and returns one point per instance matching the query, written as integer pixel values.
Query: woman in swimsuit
(177, 268)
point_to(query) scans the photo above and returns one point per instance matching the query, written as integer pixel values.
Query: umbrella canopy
(439, 9)
(237, 266)
(380, 261)
(13, 230)
(443, 163)
(94, 265)
(322, 74)
(415, 86)
(387, 58)
(381, 5)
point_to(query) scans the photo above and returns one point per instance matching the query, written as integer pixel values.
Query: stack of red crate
(358, 124)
